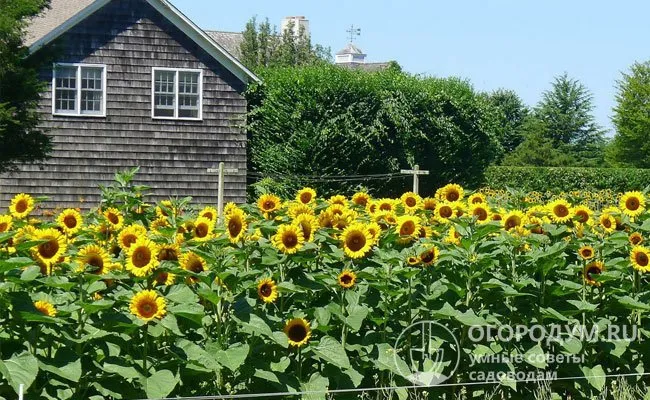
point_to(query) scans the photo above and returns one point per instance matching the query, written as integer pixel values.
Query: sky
(513, 44)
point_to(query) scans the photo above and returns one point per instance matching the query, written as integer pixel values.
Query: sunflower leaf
(14, 263)
(160, 384)
(330, 350)
(316, 388)
(20, 369)
(234, 357)
(31, 273)
(629, 302)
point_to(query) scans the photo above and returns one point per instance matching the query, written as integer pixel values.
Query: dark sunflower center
(586, 252)
(161, 277)
(480, 214)
(147, 309)
(208, 215)
(632, 203)
(346, 279)
(446, 212)
(234, 227)
(411, 202)
(306, 230)
(201, 230)
(141, 257)
(128, 240)
(477, 200)
(21, 206)
(636, 239)
(3, 226)
(561, 211)
(385, 207)
(582, 216)
(512, 222)
(196, 266)
(112, 218)
(297, 333)
(642, 259)
(607, 223)
(427, 256)
(496, 217)
(49, 248)
(269, 205)
(422, 233)
(289, 239)
(96, 261)
(356, 241)
(70, 221)
(305, 197)
(168, 255)
(266, 290)
(407, 228)
(452, 195)
(593, 270)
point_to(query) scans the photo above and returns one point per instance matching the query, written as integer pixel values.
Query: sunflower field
(136, 300)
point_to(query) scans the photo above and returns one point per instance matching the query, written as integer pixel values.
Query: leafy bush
(552, 179)
(328, 120)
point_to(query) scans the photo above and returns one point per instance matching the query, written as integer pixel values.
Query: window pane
(64, 100)
(164, 81)
(91, 102)
(91, 78)
(65, 77)
(188, 82)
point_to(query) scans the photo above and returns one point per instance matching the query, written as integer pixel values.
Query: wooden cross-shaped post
(416, 172)
(222, 171)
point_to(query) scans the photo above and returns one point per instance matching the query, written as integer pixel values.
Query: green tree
(263, 46)
(631, 143)
(22, 140)
(536, 149)
(512, 112)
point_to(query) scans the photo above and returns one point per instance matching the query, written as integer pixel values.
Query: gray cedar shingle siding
(131, 37)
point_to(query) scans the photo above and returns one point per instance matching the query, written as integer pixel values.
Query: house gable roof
(65, 14)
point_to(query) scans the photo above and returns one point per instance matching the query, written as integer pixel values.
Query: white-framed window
(177, 93)
(79, 89)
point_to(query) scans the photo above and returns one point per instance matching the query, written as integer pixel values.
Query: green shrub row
(558, 179)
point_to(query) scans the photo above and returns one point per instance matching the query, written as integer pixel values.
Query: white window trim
(77, 112)
(176, 93)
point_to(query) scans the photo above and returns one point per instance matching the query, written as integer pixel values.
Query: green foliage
(566, 179)
(631, 144)
(263, 47)
(512, 115)
(326, 120)
(22, 140)
(563, 127)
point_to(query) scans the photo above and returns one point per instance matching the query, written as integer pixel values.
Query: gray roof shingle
(59, 12)
(231, 41)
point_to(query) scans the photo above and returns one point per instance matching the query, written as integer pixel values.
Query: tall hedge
(326, 120)
(543, 179)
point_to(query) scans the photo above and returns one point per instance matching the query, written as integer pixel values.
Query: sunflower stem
(146, 348)
(344, 330)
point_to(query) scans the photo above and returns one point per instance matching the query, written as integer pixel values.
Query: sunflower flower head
(53, 248)
(586, 252)
(268, 203)
(356, 240)
(347, 279)
(141, 257)
(147, 305)
(70, 221)
(130, 235)
(236, 225)
(6, 222)
(288, 239)
(560, 211)
(306, 195)
(640, 258)
(591, 269)
(635, 238)
(95, 257)
(361, 199)
(45, 308)
(203, 229)
(267, 290)
(308, 224)
(298, 332)
(192, 262)
(450, 193)
(411, 202)
(632, 204)
(209, 213)
(21, 205)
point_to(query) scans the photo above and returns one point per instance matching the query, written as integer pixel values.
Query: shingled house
(135, 83)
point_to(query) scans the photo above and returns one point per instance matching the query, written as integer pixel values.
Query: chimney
(299, 23)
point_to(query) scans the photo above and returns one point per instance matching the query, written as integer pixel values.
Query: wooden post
(416, 172)
(220, 193)
(21, 391)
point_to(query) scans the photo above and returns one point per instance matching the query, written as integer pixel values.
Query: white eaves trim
(175, 17)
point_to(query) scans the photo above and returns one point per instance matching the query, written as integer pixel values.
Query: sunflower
(209, 213)
(148, 305)
(164, 278)
(288, 239)
(6, 222)
(453, 237)
(45, 307)
(94, 256)
(268, 203)
(640, 258)
(607, 222)
(168, 252)
(443, 212)
(130, 235)
(21, 205)
(159, 223)
(513, 219)
(429, 203)
(385, 218)
(306, 195)
(615, 212)
(375, 230)
(338, 199)
(114, 218)
(267, 290)
(296, 208)
(582, 214)
(165, 209)
(476, 198)
(255, 236)
(202, 229)
(141, 257)
(430, 255)
(298, 332)
(451, 192)
(481, 212)
(411, 201)
(52, 249)
(356, 240)
(408, 226)
(385, 205)
(236, 225)
(412, 260)
(635, 238)
(361, 199)
(560, 211)
(347, 279)
(70, 221)
(632, 204)
(308, 224)
(193, 262)
(425, 232)
(586, 252)
(371, 207)
(591, 269)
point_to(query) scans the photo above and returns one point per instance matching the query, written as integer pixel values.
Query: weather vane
(353, 32)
